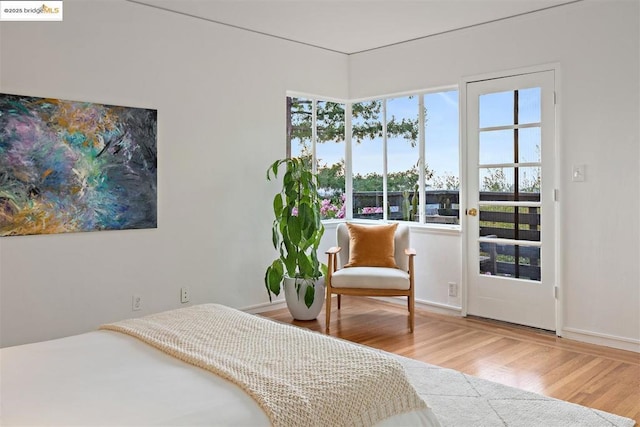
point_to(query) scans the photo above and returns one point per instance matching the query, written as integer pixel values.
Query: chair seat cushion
(370, 278)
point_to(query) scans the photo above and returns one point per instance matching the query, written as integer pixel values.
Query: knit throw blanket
(298, 377)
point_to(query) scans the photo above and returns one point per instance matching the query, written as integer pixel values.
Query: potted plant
(445, 206)
(296, 233)
(410, 205)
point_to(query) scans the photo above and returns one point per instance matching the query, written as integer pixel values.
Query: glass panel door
(510, 214)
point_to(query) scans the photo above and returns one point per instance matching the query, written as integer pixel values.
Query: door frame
(558, 258)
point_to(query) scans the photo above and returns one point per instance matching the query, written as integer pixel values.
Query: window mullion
(348, 176)
(384, 160)
(421, 161)
(314, 135)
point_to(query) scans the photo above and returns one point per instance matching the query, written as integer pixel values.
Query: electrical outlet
(184, 295)
(453, 289)
(136, 303)
(577, 173)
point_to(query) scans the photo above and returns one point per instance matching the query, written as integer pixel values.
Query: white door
(510, 199)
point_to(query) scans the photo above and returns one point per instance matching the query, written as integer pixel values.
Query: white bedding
(107, 378)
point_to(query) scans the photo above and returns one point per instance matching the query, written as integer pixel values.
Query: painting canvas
(69, 166)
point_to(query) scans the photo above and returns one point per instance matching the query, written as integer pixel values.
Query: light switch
(577, 173)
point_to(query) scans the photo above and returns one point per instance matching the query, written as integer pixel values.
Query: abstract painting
(70, 166)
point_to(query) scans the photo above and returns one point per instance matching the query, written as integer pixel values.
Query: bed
(113, 377)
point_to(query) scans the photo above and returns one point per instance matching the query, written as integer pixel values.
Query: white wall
(221, 109)
(220, 99)
(597, 44)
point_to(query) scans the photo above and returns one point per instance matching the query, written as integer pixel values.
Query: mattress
(104, 378)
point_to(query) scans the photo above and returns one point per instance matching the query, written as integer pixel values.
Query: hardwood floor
(526, 358)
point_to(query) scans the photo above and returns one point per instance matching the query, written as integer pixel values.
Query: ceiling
(352, 26)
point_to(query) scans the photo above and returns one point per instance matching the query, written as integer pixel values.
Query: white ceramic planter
(297, 307)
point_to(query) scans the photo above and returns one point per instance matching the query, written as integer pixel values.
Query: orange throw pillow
(372, 246)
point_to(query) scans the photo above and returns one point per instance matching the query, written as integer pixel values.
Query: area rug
(461, 400)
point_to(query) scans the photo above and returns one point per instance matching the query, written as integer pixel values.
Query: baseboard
(277, 304)
(431, 306)
(606, 340)
(434, 307)
(265, 306)
(440, 308)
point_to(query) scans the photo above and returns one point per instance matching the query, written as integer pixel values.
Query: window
(442, 157)
(316, 130)
(386, 154)
(510, 171)
(367, 148)
(390, 139)
(403, 157)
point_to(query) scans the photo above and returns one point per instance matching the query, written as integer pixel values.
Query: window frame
(348, 152)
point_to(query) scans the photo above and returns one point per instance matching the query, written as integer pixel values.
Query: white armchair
(364, 280)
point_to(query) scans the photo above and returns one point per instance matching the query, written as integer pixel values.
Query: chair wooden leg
(411, 312)
(327, 307)
(339, 300)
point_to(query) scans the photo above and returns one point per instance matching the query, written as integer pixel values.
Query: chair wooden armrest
(410, 252)
(332, 261)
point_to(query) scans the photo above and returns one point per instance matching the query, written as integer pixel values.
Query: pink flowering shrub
(372, 210)
(329, 210)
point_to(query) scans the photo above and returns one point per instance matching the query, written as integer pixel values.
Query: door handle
(472, 212)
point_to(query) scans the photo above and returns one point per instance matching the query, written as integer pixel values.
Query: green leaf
(293, 230)
(309, 295)
(277, 205)
(266, 282)
(298, 284)
(307, 219)
(288, 247)
(290, 263)
(275, 237)
(304, 265)
(273, 169)
(313, 258)
(274, 276)
(317, 237)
